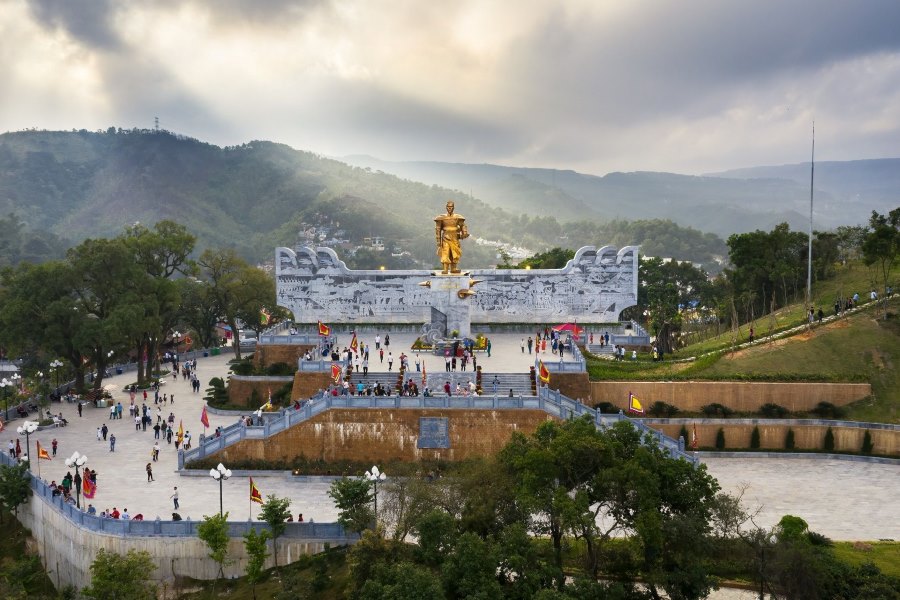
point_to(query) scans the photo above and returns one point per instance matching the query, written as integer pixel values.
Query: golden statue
(449, 229)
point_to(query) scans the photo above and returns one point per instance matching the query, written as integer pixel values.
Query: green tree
(882, 246)
(402, 581)
(828, 444)
(117, 577)
(255, 545)
(720, 439)
(353, 499)
(867, 444)
(214, 531)
(15, 485)
(437, 533)
(470, 570)
(275, 512)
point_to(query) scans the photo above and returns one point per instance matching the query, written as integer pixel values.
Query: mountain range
(259, 195)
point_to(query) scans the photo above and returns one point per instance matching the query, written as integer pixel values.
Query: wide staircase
(519, 383)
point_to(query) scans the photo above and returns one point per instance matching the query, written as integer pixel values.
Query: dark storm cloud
(87, 21)
(674, 55)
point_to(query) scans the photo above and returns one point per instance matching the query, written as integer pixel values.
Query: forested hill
(257, 196)
(723, 203)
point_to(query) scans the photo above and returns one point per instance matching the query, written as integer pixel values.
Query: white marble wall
(594, 287)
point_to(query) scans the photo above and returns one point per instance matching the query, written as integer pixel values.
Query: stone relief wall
(594, 287)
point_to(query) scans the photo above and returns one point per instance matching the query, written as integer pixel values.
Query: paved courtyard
(841, 499)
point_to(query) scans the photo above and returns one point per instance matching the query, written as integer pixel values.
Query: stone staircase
(519, 383)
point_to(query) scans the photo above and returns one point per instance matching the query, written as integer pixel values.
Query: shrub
(754, 438)
(829, 440)
(242, 367)
(607, 407)
(715, 409)
(827, 410)
(683, 434)
(720, 439)
(867, 444)
(773, 411)
(216, 392)
(280, 368)
(662, 409)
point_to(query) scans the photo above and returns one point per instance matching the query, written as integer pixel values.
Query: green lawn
(884, 555)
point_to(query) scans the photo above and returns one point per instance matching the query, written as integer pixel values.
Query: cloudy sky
(593, 85)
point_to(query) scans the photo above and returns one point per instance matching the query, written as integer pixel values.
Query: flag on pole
(88, 488)
(264, 316)
(204, 418)
(354, 345)
(324, 329)
(335, 373)
(270, 397)
(634, 405)
(180, 430)
(42, 452)
(255, 496)
(424, 376)
(694, 438)
(543, 373)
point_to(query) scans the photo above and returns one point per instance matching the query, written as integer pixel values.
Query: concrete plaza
(844, 500)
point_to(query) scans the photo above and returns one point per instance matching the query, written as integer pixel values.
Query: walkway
(843, 500)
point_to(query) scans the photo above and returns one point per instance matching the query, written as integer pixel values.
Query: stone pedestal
(445, 298)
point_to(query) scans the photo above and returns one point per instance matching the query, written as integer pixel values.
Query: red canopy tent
(575, 330)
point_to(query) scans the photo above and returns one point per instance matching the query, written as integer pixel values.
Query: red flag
(324, 329)
(204, 418)
(335, 373)
(42, 452)
(424, 377)
(694, 438)
(543, 373)
(354, 345)
(255, 496)
(88, 488)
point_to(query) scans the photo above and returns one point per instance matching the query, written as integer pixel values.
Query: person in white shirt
(125, 516)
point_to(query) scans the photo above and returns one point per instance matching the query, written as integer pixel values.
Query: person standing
(174, 497)
(390, 357)
(149, 472)
(12, 446)
(99, 434)
(156, 452)
(530, 344)
(112, 443)
(80, 406)
(54, 444)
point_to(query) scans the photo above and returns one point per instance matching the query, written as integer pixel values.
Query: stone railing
(576, 365)
(790, 422)
(158, 527)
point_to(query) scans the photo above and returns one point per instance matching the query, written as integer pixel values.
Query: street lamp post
(27, 428)
(54, 366)
(5, 383)
(77, 461)
(375, 476)
(220, 474)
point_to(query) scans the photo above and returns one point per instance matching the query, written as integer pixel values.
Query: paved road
(840, 499)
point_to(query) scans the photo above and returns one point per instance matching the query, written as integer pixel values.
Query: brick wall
(737, 395)
(382, 435)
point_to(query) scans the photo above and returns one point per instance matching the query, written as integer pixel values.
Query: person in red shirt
(115, 513)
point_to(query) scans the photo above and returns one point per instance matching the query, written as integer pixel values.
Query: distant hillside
(259, 195)
(725, 203)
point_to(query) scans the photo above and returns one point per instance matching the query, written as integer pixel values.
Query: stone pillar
(445, 297)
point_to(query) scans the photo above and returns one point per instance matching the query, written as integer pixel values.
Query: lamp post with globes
(5, 383)
(375, 476)
(55, 366)
(27, 428)
(77, 461)
(220, 474)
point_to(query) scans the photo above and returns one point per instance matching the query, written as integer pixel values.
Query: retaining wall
(741, 396)
(809, 434)
(240, 388)
(384, 435)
